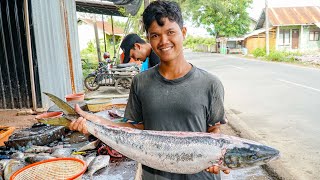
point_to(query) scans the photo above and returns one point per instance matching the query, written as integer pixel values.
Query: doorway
(295, 38)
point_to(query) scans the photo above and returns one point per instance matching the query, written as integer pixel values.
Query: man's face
(167, 40)
(138, 53)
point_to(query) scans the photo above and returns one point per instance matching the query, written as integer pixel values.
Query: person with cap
(134, 47)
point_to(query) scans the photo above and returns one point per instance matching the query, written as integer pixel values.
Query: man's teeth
(166, 49)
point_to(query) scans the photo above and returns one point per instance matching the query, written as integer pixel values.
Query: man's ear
(147, 38)
(137, 46)
(184, 32)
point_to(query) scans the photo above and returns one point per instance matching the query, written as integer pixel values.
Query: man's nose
(163, 39)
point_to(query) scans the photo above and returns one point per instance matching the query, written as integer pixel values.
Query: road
(278, 102)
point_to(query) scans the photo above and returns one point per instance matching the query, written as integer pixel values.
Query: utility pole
(104, 35)
(97, 39)
(267, 28)
(146, 3)
(113, 39)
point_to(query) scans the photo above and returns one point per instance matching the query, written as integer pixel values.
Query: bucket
(49, 115)
(75, 97)
(96, 105)
(5, 132)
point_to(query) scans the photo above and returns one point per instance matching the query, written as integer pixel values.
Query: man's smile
(166, 48)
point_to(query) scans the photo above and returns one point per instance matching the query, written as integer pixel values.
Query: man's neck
(174, 69)
(148, 48)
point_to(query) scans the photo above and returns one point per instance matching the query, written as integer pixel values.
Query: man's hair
(128, 43)
(157, 10)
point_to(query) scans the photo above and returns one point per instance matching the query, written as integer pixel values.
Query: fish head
(249, 155)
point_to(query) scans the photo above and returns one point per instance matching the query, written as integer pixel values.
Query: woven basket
(57, 169)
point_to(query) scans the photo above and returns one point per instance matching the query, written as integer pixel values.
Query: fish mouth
(250, 155)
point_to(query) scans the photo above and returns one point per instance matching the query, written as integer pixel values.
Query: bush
(259, 52)
(191, 42)
(275, 56)
(285, 56)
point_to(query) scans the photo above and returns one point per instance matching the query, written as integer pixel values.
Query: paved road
(279, 102)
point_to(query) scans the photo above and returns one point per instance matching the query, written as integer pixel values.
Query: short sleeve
(216, 107)
(133, 112)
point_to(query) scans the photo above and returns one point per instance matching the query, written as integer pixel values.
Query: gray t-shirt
(190, 103)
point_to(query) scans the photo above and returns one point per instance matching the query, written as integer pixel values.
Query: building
(291, 28)
(39, 52)
(39, 49)
(86, 32)
(235, 44)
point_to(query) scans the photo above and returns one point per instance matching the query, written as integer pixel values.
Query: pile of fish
(35, 154)
(176, 152)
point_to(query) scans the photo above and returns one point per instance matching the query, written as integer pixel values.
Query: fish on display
(180, 152)
(12, 166)
(98, 163)
(17, 155)
(38, 149)
(63, 152)
(37, 158)
(88, 159)
(3, 164)
(90, 146)
(77, 156)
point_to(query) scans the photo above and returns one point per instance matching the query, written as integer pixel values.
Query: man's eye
(171, 32)
(154, 36)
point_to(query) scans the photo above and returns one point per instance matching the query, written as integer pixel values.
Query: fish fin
(60, 121)
(65, 107)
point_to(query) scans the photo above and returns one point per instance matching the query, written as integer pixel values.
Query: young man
(172, 96)
(136, 48)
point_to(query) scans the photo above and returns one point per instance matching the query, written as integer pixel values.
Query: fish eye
(253, 157)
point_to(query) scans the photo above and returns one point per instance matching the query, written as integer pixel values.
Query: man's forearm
(120, 124)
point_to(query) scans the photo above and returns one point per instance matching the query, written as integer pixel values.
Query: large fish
(182, 152)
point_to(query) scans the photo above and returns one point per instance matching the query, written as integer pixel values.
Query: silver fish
(90, 146)
(12, 166)
(183, 152)
(98, 163)
(3, 164)
(180, 152)
(77, 156)
(62, 152)
(38, 149)
(89, 159)
(17, 155)
(37, 158)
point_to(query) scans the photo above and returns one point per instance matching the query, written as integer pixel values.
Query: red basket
(58, 168)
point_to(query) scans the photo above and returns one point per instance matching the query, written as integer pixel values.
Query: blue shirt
(145, 65)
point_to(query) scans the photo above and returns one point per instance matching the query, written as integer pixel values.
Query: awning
(256, 32)
(96, 7)
(317, 24)
(108, 7)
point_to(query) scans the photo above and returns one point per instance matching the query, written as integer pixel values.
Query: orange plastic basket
(58, 168)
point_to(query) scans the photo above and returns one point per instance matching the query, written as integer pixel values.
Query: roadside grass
(280, 56)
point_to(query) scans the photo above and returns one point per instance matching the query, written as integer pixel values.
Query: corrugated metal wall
(14, 66)
(52, 50)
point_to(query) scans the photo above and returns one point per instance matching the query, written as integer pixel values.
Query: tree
(221, 18)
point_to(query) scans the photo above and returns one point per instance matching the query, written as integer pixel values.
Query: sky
(255, 11)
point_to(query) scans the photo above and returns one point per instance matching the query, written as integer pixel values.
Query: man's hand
(80, 123)
(216, 169)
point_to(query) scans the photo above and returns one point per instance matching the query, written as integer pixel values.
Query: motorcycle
(107, 74)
